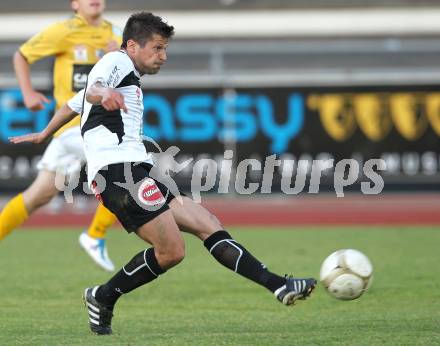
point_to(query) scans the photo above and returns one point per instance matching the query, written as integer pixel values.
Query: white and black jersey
(76, 102)
(114, 136)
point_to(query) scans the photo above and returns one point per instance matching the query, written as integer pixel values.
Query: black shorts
(139, 200)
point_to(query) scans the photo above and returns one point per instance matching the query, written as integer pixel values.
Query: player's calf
(235, 257)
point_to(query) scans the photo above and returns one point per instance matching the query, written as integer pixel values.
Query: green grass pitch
(43, 274)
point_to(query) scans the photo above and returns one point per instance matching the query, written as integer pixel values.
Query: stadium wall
(280, 23)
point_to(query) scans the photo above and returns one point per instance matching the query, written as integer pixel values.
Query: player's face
(89, 8)
(152, 55)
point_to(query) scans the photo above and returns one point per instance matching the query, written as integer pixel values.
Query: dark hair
(142, 25)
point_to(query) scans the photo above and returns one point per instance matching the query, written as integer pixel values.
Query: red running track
(280, 210)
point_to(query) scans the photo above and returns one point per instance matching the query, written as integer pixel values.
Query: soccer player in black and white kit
(111, 125)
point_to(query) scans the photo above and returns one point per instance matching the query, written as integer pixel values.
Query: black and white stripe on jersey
(130, 79)
(112, 120)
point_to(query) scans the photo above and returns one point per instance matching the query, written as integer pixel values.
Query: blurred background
(304, 80)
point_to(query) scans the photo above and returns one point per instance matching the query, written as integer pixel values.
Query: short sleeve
(76, 102)
(46, 43)
(110, 70)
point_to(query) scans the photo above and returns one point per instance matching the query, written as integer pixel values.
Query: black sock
(142, 269)
(235, 257)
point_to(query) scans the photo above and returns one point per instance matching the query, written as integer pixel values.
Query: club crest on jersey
(80, 53)
(149, 193)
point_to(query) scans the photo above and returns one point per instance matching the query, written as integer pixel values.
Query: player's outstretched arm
(110, 99)
(60, 118)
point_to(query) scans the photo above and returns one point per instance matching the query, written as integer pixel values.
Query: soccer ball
(346, 274)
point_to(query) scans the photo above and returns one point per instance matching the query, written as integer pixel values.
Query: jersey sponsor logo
(79, 76)
(80, 53)
(149, 193)
(114, 77)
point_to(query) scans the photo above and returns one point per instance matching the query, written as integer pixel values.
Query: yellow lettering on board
(372, 116)
(336, 114)
(433, 111)
(408, 116)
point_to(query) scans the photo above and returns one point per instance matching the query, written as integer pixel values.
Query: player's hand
(29, 138)
(112, 46)
(35, 101)
(113, 100)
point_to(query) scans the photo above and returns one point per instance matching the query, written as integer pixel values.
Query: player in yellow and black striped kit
(77, 44)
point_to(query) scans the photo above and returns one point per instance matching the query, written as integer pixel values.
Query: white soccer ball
(346, 274)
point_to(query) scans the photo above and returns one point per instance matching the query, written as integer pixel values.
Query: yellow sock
(103, 219)
(13, 215)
